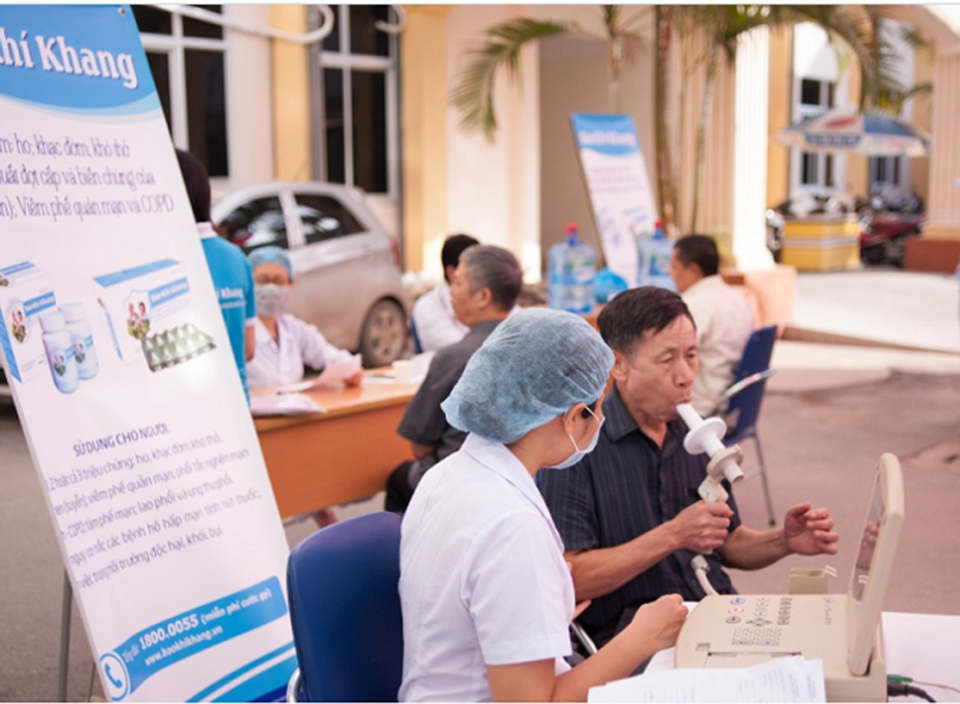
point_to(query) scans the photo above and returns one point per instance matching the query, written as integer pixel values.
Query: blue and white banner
(619, 187)
(120, 366)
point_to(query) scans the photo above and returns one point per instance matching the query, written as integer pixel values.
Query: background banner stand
(65, 617)
(618, 185)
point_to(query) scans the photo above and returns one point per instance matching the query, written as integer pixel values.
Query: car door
(258, 219)
(339, 267)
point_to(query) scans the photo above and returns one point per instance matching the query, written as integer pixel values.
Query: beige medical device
(841, 629)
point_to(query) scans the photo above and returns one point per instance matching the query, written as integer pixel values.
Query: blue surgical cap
(537, 364)
(265, 255)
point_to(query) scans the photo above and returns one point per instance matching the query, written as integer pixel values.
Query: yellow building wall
(423, 123)
(291, 96)
(781, 79)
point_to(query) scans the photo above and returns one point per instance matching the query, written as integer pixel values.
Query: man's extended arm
(699, 527)
(806, 531)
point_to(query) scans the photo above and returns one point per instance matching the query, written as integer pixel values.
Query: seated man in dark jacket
(483, 290)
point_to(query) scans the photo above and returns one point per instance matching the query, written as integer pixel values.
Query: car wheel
(384, 334)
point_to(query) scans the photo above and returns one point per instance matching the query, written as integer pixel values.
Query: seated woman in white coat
(487, 597)
(284, 343)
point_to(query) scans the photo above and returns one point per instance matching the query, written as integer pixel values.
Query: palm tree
(501, 47)
(857, 27)
(724, 24)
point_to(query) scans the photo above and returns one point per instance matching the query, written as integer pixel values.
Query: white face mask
(579, 454)
(272, 299)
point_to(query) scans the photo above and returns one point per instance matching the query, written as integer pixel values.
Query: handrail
(745, 382)
(198, 13)
(317, 35)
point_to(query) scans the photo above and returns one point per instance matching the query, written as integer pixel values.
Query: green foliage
(500, 48)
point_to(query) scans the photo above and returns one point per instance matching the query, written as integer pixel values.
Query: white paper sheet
(286, 404)
(339, 371)
(790, 679)
(332, 375)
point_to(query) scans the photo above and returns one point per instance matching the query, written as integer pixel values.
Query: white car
(346, 267)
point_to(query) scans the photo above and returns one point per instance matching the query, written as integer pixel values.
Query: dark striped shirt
(626, 487)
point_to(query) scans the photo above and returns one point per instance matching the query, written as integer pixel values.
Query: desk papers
(283, 405)
(331, 375)
(790, 679)
(338, 371)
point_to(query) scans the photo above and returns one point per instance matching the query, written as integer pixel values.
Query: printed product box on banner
(25, 292)
(142, 303)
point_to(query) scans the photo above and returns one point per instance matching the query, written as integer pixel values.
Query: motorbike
(885, 227)
(885, 223)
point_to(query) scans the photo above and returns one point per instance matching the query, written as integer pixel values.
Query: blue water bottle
(654, 255)
(572, 266)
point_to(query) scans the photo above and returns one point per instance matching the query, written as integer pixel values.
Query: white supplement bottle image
(60, 354)
(83, 348)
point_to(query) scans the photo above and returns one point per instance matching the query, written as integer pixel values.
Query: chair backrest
(756, 358)
(345, 610)
(417, 347)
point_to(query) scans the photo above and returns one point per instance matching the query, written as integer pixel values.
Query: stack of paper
(789, 679)
(283, 405)
(331, 376)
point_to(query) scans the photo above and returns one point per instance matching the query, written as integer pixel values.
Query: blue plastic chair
(345, 611)
(417, 347)
(744, 397)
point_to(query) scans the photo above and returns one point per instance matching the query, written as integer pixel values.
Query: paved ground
(829, 412)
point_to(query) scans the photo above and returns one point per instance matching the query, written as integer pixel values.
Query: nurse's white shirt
(281, 361)
(482, 576)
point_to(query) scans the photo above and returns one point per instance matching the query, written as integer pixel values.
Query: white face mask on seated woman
(579, 454)
(272, 299)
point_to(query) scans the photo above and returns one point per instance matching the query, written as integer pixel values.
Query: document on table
(283, 405)
(787, 679)
(330, 376)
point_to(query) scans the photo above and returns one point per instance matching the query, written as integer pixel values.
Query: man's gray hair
(494, 268)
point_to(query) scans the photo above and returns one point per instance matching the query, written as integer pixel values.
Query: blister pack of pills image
(144, 307)
(175, 346)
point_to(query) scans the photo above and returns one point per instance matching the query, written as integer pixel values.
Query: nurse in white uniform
(487, 597)
(284, 343)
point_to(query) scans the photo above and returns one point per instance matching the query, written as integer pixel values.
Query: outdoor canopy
(871, 133)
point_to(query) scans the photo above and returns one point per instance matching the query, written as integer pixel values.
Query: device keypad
(759, 628)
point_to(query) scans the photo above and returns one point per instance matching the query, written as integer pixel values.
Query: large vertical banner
(619, 187)
(121, 370)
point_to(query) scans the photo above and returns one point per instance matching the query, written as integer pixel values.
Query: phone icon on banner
(115, 676)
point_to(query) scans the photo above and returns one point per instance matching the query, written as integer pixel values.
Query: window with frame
(186, 58)
(885, 172)
(358, 104)
(816, 97)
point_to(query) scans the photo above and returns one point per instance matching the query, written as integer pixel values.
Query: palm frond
(500, 48)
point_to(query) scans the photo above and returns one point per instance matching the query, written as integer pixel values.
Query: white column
(750, 152)
(943, 205)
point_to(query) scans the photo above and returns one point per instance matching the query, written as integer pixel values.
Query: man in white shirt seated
(722, 316)
(435, 323)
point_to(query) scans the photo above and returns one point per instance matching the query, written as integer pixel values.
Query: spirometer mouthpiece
(706, 436)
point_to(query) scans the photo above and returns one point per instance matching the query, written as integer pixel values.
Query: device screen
(868, 542)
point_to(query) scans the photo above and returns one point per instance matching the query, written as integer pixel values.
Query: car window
(325, 217)
(257, 223)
